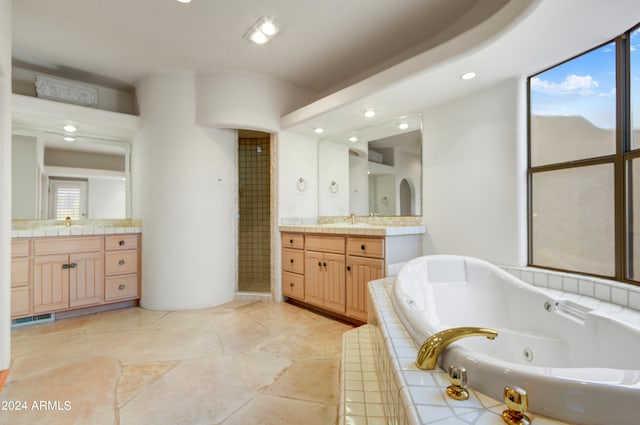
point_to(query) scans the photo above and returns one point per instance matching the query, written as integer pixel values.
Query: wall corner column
(5, 189)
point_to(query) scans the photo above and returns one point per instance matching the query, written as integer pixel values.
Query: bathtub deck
(382, 389)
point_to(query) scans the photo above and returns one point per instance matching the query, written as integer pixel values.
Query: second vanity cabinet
(335, 271)
(365, 262)
(324, 278)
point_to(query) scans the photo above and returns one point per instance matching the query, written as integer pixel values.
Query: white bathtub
(575, 363)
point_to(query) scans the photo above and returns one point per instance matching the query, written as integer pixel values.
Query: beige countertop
(45, 228)
(363, 229)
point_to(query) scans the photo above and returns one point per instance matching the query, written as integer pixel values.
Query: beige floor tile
(87, 387)
(238, 363)
(203, 391)
(136, 377)
(311, 380)
(269, 410)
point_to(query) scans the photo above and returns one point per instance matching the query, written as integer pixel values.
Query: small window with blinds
(67, 198)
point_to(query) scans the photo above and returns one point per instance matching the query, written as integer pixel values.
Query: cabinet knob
(121, 262)
(324, 264)
(362, 247)
(121, 243)
(291, 285)
(121, 286)
(348, 268)
(73, 265)
(65, 266)
(291, 261)
(291, 241)
(319, 264)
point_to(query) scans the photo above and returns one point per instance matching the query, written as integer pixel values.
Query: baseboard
(3, 377)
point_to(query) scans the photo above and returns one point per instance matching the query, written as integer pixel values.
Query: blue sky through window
(586, 86)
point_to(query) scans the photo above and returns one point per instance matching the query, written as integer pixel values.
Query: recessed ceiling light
(184, 1)
(369, 112)
(70, 128)
(262, 31)
(468, 76)
(68, 138)
(318, 130)
(259, 37)
(403, 125)
(353, 139)
(268, 28)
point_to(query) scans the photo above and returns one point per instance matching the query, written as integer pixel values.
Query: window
(67, 198)
(584, 169)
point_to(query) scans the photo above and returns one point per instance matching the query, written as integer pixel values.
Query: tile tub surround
(411, 396)
(42, 228)
(237, 363)
(621, 300)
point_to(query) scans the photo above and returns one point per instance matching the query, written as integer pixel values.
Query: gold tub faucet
(434, 345)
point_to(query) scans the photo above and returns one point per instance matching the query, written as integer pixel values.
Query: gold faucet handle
(458, 378)
(517, 403)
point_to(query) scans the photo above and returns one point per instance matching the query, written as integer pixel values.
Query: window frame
(620, 160)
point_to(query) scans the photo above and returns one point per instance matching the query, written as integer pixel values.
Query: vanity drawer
(20, 301)
(120, 262)
(20, 248)
(365, 247)
(334, 244)
(293, 285)
(58, 245)
(20, 271)
(293, 260)
(120, 242)
(293, 240)
(121, 287)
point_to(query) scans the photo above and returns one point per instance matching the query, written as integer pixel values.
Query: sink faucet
(353, 218)
(436, 343)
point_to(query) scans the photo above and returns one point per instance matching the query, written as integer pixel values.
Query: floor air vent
(41, 318)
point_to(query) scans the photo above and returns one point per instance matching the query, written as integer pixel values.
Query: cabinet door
(50, 283)
(314, 278)
(86, 279)
(20, 302)
(360, 271)
(334, 282)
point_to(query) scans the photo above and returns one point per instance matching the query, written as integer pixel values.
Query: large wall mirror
(375, 170)
(56, 173)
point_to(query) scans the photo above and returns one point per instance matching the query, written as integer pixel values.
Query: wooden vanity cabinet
(324, 278)
(67, 273)
(365, 262)
(55, 274)
(21, 285)
(336, 270)
(293, 266)
(121, 267)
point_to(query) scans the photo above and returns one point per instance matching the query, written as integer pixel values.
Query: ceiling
(322, 44)
(397, 56)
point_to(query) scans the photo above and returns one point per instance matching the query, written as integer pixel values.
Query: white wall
(246, 101)
(358, 184)
(185, 190)
(474, 156)
(24, 177)
(297, 158)
(333, 199)
(107, 197)
(5, 183)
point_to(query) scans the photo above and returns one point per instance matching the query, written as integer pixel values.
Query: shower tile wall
(254, 258)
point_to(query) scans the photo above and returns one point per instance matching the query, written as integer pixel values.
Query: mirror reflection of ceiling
(323, 45)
